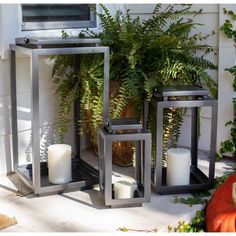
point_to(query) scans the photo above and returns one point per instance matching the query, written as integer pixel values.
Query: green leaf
(124, 229)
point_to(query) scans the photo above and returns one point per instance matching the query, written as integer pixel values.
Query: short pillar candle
(59, 163)
(178, 166)
(123, 189)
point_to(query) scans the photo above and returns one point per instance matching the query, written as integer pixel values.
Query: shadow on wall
(48, 136)
(48, 133)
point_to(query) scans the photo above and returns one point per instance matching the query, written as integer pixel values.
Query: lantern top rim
(180, 90)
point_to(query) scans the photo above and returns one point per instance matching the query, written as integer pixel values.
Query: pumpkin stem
(234, 193)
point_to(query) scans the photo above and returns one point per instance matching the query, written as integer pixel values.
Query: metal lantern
(35, 175)
(191, 97)
(124, 191)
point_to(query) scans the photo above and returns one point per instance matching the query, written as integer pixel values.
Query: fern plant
(144, 54)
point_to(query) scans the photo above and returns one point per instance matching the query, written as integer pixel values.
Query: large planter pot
(123, 152)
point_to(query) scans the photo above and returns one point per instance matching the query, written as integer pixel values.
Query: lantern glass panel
(125, 179)
(24, 120)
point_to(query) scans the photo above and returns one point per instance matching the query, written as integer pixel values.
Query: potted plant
(144, 54)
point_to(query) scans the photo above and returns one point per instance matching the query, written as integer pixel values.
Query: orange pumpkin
(221, 209)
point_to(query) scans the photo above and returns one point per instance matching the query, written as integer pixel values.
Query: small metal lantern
(184, 97)
(141, 188)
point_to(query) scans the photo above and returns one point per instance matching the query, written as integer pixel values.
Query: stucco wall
(212, 18)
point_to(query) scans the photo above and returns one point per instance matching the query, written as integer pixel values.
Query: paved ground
(84, 211)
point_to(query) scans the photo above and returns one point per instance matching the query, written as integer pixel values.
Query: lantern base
(82, 173)
(127, 205)
(198, 182)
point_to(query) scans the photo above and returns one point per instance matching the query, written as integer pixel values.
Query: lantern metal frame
(142, 163)
(194, 97)
(34, 175)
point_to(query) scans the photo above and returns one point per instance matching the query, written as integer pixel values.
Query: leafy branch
(230, 31)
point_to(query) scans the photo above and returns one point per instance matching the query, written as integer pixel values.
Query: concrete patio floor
(84, 211)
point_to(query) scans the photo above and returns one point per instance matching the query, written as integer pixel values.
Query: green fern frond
(143, 54)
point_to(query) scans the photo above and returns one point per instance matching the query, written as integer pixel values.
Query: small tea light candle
(124, 189)
(59, 163)
(178, 166)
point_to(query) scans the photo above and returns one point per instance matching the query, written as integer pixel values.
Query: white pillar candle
(178, 166)
(59, 163)
(123, 189)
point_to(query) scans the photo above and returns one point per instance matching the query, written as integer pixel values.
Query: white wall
(4, 115)
(227, 58)
(10, 28)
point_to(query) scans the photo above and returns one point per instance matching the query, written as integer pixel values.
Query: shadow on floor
(18, 187)
(8, 188)
(95, 196)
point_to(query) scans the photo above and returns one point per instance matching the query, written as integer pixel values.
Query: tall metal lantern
(35, 175)
(192, 97)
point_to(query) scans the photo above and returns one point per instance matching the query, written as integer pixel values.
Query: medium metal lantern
(192, 97)
(121, 189)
